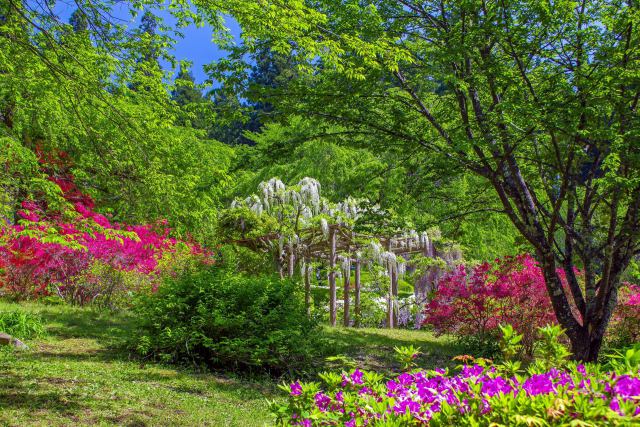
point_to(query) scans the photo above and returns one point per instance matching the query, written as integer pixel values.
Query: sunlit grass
(373, 348)
(80, 373)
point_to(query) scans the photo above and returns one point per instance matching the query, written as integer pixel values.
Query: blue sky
(196, 46)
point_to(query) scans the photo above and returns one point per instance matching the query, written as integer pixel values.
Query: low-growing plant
(480, 346)
(406, 356)
(579, 395)
(510, 342)
(21, 324)
(625, 361)
(553, 392)
(222, 319)
(550, 351)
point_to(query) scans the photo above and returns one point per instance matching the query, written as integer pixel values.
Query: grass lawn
(372, 348)
(78, 375)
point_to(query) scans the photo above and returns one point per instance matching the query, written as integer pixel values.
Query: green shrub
(21, 325)
(487, 346)
(227, 320)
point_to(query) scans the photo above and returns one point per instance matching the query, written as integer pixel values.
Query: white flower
(402, 269)
(424, 239)
(389, 260)
(325, 228)
(310, 192)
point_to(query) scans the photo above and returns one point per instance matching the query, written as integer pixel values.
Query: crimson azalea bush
(81, 255)
(509, 291)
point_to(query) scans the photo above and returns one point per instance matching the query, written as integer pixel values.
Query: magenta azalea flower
(422, 395)
(322, 401)
(296, 389)
(356, 377)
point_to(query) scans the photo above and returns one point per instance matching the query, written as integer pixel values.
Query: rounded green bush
(227, 320)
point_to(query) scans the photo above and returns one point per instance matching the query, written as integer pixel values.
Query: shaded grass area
(81, 374)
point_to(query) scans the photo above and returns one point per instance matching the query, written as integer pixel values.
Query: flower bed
(475, 396)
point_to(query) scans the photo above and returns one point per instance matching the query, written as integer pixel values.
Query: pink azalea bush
(82, 255)
(474, 303)
(476, 395)
(625, 323)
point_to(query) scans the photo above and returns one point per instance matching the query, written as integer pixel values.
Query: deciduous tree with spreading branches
(539, 98)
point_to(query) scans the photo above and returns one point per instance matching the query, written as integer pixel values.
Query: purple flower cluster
(421, 395)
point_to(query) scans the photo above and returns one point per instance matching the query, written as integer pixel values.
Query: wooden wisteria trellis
(308, 231)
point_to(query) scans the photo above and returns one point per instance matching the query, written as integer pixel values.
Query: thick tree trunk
(585, 348)
(586, 345)
(585, 330)
(346, 296)
(332, 278)
(357, 294)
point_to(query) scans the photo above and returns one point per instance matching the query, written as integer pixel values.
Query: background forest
(147, 142)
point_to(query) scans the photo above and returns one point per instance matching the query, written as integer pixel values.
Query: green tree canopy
(87, 103)
(538, 99)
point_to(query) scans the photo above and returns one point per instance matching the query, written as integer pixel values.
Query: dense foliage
(509, 127)
(222, 319)
(21, 325)
(97, 93)
(512, 126)
(538, 100)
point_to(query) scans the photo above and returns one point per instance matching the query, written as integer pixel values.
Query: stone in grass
(6, 339)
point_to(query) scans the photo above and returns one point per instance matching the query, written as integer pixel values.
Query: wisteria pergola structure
(312, 230)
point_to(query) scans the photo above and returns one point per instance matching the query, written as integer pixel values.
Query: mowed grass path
(79, 374)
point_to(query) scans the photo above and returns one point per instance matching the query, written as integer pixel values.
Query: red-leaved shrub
(625, 323)
(84, 256)
(473, 303)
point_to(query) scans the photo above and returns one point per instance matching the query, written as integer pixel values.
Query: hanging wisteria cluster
(305, 203)
(273, 194)
(310, 228)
